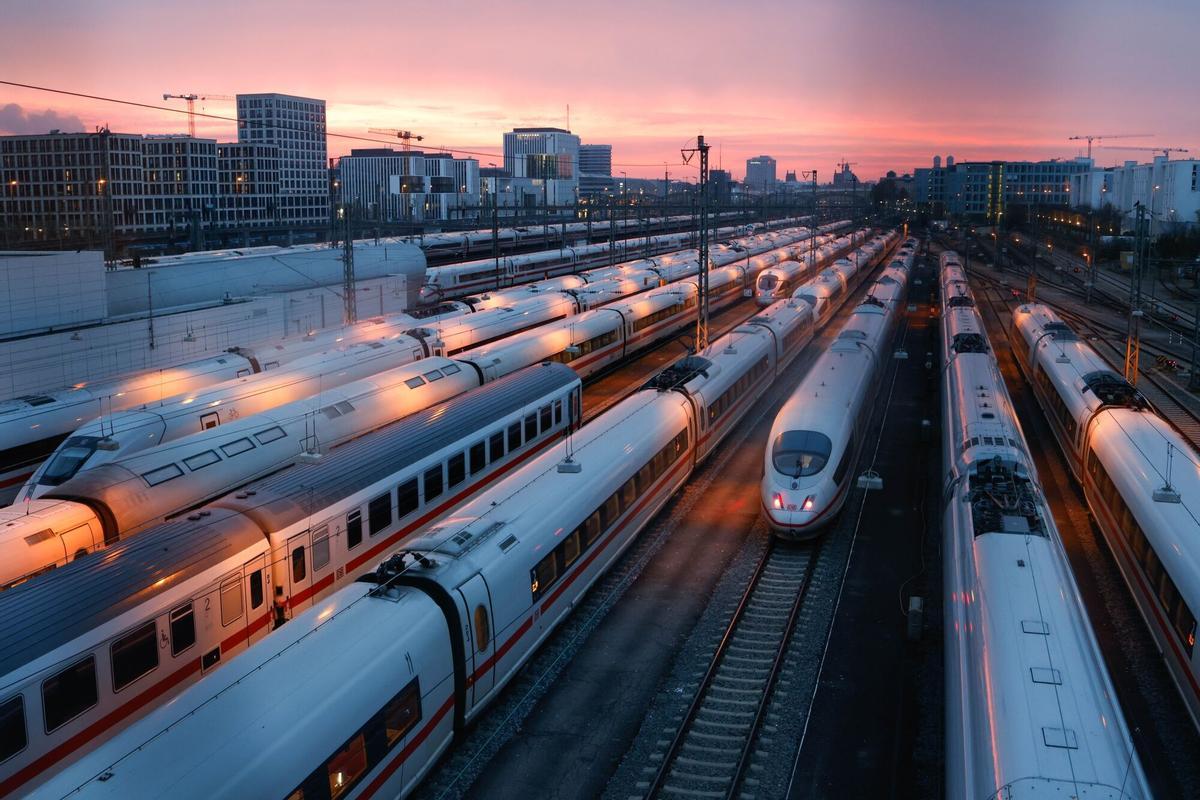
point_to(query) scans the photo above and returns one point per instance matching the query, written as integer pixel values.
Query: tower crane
(1166, 151)
(1097, 137)
(191, 98)
(405, 137)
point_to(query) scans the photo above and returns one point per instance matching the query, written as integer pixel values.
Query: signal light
(808, 503)
(777, 500)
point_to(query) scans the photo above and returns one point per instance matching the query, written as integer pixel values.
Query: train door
(297, 574)
(477, 635)
(257, 589)
(78, 542)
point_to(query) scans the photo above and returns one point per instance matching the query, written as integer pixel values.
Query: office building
(760, 174)
(1169, 190)
(983, 190)
(296, 127)
(180, 174)
(722, 185)
(544, 165)
(595, 159)
(247, 192)
(389, 185)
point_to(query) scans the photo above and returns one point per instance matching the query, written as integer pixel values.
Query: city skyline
(808, 86)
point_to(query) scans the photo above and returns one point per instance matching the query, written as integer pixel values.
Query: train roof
(287, 496)
(39, 616)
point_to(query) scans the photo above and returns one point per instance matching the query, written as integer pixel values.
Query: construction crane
(405, 137)
(1097, 137)
(191, 98)
(1166, 151)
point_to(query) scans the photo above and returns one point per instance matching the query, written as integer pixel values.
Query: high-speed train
(1141, 479)
(32, 427)
(781, 280)
(819, 432)
(410, 655)
(129, 495)
(1030, 708)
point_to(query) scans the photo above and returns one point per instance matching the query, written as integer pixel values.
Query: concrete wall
(44, 290)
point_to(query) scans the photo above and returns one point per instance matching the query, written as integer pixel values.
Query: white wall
(44, 290)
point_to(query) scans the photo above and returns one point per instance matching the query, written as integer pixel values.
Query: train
(779, 281)
(1140, 477)
(135, 493)
(819, 432)
(450, 617)
(34, 427)
(1030, 708)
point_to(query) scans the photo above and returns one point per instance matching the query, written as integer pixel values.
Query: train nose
(428, 294)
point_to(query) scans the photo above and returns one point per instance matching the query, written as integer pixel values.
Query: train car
(1030, 708)
(467, 604)
(1140, 477)
(823, 423)
(258, 558)
(119, 435)
(778, 281)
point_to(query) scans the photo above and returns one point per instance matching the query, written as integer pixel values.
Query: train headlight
(808, 503)
(777, 500)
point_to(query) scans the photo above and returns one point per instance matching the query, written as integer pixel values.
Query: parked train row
(32, 427)
(361, 693)
(293, 542)
(1030, 707)
(819, 432)
(1141, 479)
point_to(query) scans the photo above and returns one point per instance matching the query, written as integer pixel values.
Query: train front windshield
(73, 454)
(801, 453)
(767, 283)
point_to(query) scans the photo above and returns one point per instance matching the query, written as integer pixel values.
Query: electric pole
(349, 299)
(702, 300)
(1134, 329)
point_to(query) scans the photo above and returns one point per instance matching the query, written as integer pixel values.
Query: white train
(780, 280)
(1030, 708)
(450, 618)
(1141, 479)
(819, 432)
(129, 495)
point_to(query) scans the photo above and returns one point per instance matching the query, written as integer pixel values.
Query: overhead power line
(226, 118)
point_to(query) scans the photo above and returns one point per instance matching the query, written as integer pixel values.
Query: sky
(884, 84)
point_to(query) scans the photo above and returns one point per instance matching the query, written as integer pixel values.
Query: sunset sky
(884, 83)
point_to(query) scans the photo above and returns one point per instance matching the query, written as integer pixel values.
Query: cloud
(15, 120)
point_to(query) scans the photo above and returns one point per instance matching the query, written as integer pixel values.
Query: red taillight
(777, 500)
(808, 503)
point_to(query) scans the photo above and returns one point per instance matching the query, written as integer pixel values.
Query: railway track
(710, 753)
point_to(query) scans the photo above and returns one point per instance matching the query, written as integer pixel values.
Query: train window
(496, 446)
(353, 529)
(209, 421)
(256, 588)
(69, 693)
(299, 565)
(1185, 625)
(433, 482)
(183, 629)
(531, 427)
(450, 369)
(231, 601)
(478, 454)
(514, 436)
(272, 434)
(237, 447)
(408, 498)
(482, 629)
(346, 766)
(320, 547)
(558, 407)
(432, 375)
(456, 469)
(161, 475)
(134, 655)
(543, 575)
(413, 383)
(545, 417)
(403, 712)
(628, 494)
(801, 453)
(13, 737)
(201, 460)
(610, 511)
(571, 548)
(591, 529)
(379, 513)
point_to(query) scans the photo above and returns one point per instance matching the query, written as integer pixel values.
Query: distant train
(411, 653)
(1141, 479)
(819, 432)
(1030, 708)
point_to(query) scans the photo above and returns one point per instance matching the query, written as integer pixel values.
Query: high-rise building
(544, 165)
(296, 126)
(595, 159)
(760, 174)
(180, 174)
(395, 186)
(247, 185)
